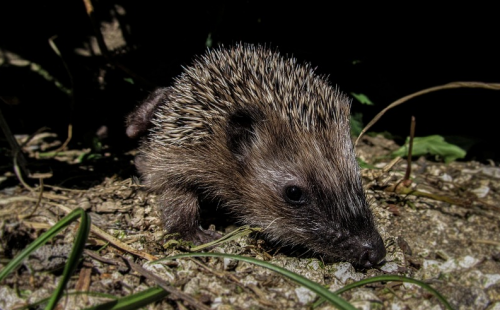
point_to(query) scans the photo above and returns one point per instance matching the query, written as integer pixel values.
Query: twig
(490, 242)
(83, 283)
(68, 139)
(221, 275)
(391, 164)
(117, 243)
(491, 86)
(46, 75)
(19, 176)
(40, 195)
(406, 178)
(15, 148)
(70, 94)
(114, 262)
(402, 190)
(71, 190)
(31, 136)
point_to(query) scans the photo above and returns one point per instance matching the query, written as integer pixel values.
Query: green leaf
(363, 164)
(356, 124)
(432, 145)
(209, 42)
(129, 80)
(362, 98)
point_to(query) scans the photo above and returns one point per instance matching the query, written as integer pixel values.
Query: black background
(383, 51)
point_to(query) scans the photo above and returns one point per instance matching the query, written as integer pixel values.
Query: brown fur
(248, 128)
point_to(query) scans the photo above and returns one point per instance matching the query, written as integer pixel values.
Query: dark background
(383, 51)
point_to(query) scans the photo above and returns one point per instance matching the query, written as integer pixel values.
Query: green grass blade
(398, 278)
(76, 252)
(392, 278)
(313, 286)
(39, 242)
(133, 301)
(36, 304)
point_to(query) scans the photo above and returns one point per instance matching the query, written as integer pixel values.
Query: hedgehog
(267, 139)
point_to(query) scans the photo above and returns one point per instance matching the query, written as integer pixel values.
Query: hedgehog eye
(294, 195)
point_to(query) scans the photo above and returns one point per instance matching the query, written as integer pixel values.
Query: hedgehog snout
(371, 253)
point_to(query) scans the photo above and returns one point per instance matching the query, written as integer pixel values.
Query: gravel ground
(443, 229)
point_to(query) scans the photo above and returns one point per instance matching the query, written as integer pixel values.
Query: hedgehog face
(304, 188)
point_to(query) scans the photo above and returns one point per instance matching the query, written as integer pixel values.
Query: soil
(441, 228)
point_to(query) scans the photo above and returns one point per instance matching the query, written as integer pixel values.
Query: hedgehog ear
(139, 120)
(240, 130)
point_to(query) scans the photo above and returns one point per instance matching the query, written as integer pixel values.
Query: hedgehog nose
(372, 254)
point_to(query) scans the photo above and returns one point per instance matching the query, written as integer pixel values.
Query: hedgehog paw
(202, 236)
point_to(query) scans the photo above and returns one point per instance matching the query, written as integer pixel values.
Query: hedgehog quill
(268, 139)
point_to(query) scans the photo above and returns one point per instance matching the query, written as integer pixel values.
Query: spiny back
(224, 80)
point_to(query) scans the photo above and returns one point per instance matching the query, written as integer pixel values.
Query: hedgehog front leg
(180, 213)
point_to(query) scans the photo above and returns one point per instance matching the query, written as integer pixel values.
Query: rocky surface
(442, 228)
